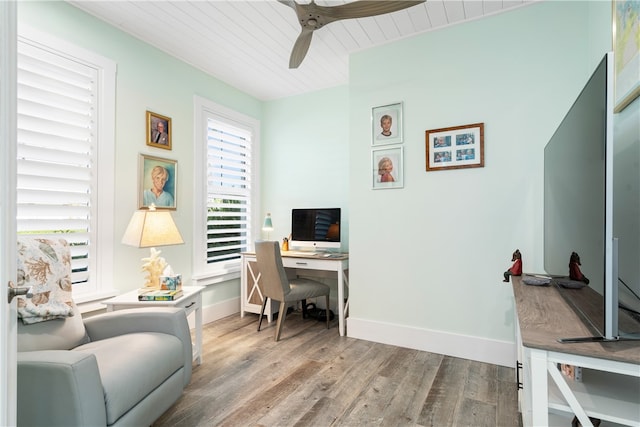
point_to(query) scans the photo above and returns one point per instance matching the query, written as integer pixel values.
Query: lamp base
(154, 266)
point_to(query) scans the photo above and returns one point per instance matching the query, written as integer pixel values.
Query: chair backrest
(273, 278)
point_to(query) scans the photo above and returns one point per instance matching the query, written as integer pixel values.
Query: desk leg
(198, 321)
(243, 285)
(341, 305)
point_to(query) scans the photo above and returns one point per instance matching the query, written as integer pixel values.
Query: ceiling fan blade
(312, 17)
(300, 48)
(365, 8)
(290, 3)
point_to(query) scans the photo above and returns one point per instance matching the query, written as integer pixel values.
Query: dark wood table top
(545, 317)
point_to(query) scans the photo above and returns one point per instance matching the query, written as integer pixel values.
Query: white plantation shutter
(228, 144)
(58, 160)
(228, 191)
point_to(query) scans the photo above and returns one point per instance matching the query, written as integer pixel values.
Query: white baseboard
(464, 346)
(211, 313)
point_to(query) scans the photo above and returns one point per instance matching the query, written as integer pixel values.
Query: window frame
(102, 249)
(204, 273)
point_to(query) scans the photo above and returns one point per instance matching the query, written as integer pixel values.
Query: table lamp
(148, 229)
(268, 225)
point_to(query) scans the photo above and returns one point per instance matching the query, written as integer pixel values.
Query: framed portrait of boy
(158, 180)
(386, 124)
(158, 131)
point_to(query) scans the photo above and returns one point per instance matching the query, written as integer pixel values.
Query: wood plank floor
(314, 377)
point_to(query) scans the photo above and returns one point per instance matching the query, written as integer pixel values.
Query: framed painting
(386, 124)
(158, 131)
(626, 49)
(387, 170)
(158, 179)
(455, 147)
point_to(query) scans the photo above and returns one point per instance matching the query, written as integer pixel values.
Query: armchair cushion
(149, 359)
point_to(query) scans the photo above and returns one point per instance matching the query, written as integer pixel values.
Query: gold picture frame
(158, 131)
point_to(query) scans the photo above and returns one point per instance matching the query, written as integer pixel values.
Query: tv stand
(610, 387)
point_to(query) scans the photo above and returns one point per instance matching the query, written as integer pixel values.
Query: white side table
(191, 301)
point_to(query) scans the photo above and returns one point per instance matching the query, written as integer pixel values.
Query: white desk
(251, 296)
(191, 301)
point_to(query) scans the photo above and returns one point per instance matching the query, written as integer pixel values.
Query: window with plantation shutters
(225, 170)
(65, 154)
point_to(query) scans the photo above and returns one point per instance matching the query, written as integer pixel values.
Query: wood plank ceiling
(247, 44)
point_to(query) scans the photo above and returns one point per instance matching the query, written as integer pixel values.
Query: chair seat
(305, 288)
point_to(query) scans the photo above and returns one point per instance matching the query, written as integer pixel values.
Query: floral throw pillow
(44, 265)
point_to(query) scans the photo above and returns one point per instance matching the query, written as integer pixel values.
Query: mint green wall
(432, 255)
(305, 161)
(147, 80)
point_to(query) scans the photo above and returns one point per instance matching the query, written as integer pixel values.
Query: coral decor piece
(154, 266)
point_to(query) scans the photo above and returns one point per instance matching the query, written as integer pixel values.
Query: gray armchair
(115, 369)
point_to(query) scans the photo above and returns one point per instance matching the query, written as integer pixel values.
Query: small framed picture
(386, 124)
(387, 169)
(158, 182)
(455, 147)
(626, 52)
(158, 131)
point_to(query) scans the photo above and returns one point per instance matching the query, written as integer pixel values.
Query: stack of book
(159, 295)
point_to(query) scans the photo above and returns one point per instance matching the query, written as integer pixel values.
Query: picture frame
(158, 131)
(392, 115)
(151, 167)
(381, 160)
(455, 147)
(626, 52)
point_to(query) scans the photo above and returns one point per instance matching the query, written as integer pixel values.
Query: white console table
(191, 301)
(610, 387)
(251, 296)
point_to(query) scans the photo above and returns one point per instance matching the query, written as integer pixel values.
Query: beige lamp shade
(150, 228)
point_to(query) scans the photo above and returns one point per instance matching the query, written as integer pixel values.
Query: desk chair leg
(328, 311)
(304, 309)
(264, 304)
(281, 316)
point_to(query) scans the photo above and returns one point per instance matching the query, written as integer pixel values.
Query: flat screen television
(316, 229)
(578, 204)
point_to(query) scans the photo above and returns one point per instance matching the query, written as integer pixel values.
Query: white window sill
(92, 303)
(212, 279)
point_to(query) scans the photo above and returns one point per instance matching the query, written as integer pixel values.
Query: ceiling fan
(312, 17)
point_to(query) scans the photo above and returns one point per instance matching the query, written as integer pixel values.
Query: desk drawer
(310, 264)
